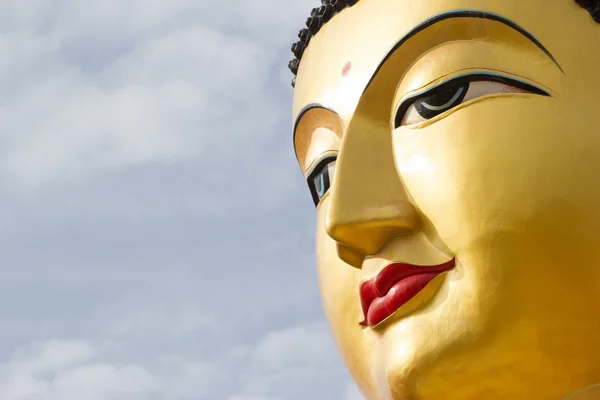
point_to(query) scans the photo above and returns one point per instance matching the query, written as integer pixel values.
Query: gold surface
(507, 182)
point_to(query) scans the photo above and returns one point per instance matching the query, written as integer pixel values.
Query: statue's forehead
(342, 57)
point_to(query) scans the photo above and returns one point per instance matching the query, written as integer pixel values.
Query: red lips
(394, 286)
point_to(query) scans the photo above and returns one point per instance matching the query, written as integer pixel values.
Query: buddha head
(452, 150)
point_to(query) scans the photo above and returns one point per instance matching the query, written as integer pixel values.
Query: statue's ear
(593, 7)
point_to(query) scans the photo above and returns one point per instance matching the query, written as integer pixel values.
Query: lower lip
(400, 294)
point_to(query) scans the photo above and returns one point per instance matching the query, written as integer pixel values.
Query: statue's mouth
(394, 286)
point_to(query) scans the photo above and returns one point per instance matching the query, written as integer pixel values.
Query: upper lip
(380, 284)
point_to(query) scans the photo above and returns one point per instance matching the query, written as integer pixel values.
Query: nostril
(355, 236)
(350, 256)
(346, 250)
(368, 235)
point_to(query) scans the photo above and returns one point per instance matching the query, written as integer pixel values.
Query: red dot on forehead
(346, 69)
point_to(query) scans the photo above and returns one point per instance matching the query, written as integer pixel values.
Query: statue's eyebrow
(464, 13)
(304, 111)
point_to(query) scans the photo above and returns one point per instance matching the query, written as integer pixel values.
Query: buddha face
(452, 150)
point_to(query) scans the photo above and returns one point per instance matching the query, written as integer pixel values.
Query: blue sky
(157, 238)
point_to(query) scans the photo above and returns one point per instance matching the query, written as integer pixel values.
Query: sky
(156, 235)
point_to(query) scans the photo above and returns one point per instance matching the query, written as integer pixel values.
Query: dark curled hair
(318, 17)
(321, 15)
(593, 6)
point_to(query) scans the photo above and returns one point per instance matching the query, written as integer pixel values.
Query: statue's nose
(368, 203)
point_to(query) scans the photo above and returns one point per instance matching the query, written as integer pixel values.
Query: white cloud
(136, 124)
(161, 102)
(253, 398)
(282, 365)
(91, 87)
(163, 321)
(310, 344)
(75, 370)
(69, 370)
(352, 392)
(293, 361)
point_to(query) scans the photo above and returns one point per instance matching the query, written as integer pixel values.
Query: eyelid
(320, 162)
(409, 98)
(477, 76)
(312, 118)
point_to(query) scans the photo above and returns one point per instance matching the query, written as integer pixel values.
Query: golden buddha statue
(452, 149)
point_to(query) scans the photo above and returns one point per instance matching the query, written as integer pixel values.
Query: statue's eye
(319, 180)
(450, 94)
